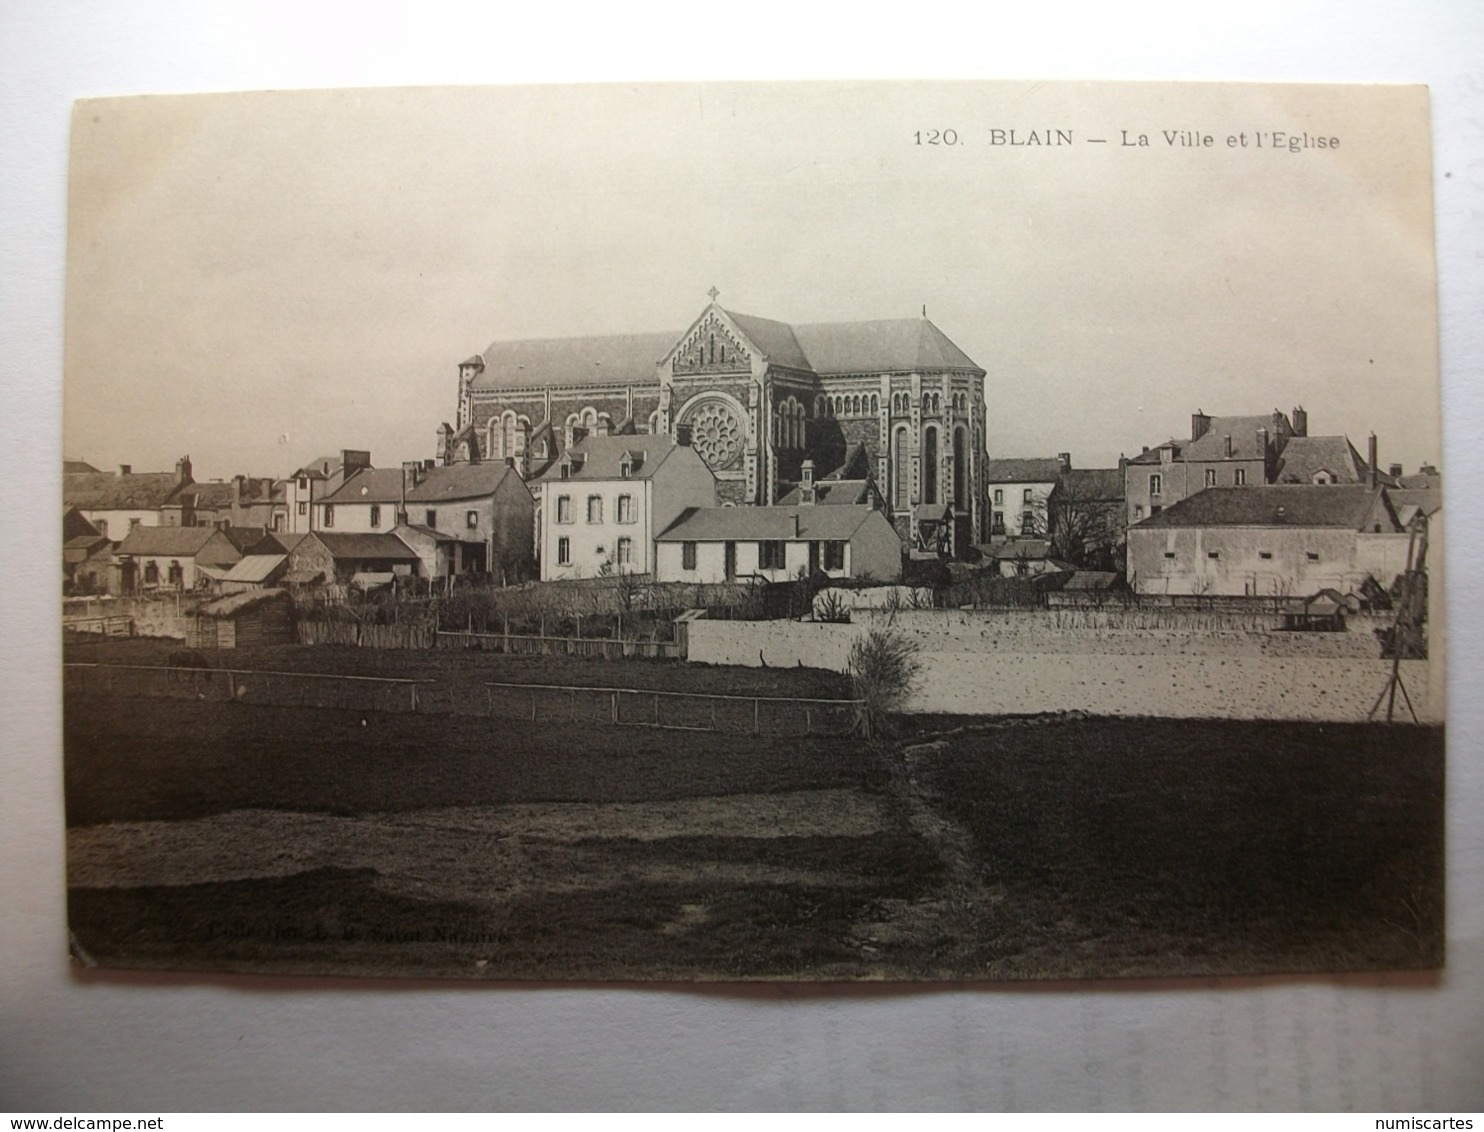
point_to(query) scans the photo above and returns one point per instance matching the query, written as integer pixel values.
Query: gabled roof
(1425, 500)
(350, 545)
(716, 524)
(1304, 457)
(1092, 485)
(217, 495)
(460, 481)
(73, 467)
(176, 542)
(775, 339)
(322, 468)
(1035, 469)
(601, 457)
(604, 360)
(1343, 506)
(284, 540)
(244, 538)
(830, 493)
(74, 523)
(369, 485)
(888, 345)
(107, 491)
(1243, 433)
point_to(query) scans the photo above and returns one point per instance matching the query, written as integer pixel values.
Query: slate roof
(244, 538)
(349, 544)
(1242, 430)
(1304, 457)
(107, 491)
(74, 523)
(602, 455)
(620, 358)
(459, 481)
(73, 467)
(1034, 469)
(369, 485)
(1012, 548)
(1273, 505)
(1426, 500)
(717, 524)
(175, 542)
(829, 493)
(890, 345)
(1092, 485)
(1091, 580)
(321, 468)
(285, 540)
(216, 495)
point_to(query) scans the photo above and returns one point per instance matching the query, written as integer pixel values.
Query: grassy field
(233, 836)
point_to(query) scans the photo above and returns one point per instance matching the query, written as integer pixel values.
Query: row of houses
(1246, 505)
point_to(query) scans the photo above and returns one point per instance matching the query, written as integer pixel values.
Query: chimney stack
(1262, 443)
(237, 493)
(796, 524)
(1396, 470)
(1200, 424)
(807, 472)
(1300, 421)
(510, 461)
(1065, 460)
(1228, 445)
(1370, 448)
(126, 469)
(183, 470)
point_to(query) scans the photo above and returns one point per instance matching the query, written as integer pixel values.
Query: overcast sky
(259, 279)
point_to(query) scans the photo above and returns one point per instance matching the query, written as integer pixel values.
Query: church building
(893, 402)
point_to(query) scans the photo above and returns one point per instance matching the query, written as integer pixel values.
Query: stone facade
(757, 398)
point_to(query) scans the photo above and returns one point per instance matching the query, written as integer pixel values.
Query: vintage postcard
(882, 531)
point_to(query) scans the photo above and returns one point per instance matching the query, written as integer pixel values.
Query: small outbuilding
(252, 617)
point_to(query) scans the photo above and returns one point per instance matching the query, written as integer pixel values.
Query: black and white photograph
(733, 532)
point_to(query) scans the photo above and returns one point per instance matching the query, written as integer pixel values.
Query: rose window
(716, 434)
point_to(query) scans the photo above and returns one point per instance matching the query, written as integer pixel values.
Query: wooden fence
(400, 635)
(673, 711)
(534, 704)
(607, 647)
(118, 626)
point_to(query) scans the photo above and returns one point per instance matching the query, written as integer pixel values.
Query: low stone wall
(979, 666)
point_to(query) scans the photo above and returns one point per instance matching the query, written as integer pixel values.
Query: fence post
(414, 697)
(754, 717)
(489, 697)
(572, 707)
(533, 705)
(656, 710)
(613, 706)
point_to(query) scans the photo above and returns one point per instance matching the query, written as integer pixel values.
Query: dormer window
(625, 468)
(566, 470)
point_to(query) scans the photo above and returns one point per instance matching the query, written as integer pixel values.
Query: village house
(116, 502)
(314, 481)
(172, 557)
(778, 544)
(1269, 541)
(346, 558)
(87, 556)
(470, 518)
(607, 497)
(1243, 452)
(1017, 490)
(242, 501)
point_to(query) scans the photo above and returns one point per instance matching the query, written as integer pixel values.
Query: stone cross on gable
(713, 293)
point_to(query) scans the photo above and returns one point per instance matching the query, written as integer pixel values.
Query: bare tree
(1083, 528)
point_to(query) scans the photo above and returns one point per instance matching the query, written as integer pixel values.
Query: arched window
(856, 406)
(960, 469)
(930, 465)
(875, 403)
(654, 422)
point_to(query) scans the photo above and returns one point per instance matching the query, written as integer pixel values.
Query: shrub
(830, 606)
(883, 669)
